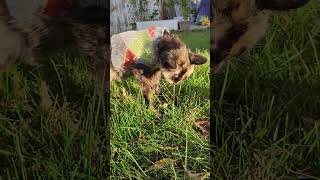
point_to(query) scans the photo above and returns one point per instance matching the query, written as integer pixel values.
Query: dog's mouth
(171, 81)
(177, 80)
(174, 82)
(178, 76)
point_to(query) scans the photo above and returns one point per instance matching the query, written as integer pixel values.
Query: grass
(162, 141)
(49, 119)
(267, 108)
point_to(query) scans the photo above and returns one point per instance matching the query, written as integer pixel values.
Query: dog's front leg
(148, 77)
(146, 94)
(144, 82)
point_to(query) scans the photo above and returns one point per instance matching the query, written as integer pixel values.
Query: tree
(167, 9)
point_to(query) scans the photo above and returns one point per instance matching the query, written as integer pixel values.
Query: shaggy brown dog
(239, 24)
(170, 58)
(28, 39)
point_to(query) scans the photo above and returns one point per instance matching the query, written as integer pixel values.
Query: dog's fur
(171, 58)
(239, 24)
(28, 39)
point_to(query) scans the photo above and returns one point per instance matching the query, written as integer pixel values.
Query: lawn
(163, 142)
(267, 106)
(49, 121)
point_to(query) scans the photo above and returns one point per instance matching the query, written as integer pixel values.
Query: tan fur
(183, 67)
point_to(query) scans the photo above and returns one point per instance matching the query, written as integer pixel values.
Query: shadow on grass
(54, 139)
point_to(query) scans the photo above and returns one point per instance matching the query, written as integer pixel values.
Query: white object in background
(171, 24)
(180, 18)
(178, 9)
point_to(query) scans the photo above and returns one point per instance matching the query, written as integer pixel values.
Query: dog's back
(130, 46)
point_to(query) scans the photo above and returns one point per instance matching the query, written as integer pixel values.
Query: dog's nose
(176, 79)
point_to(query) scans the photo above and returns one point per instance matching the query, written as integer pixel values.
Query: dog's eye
(167, 65)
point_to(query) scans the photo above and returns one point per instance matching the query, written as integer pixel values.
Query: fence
(125, 13)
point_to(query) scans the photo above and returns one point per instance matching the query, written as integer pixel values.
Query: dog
(150, 53)
(239, 24)
(28, 39)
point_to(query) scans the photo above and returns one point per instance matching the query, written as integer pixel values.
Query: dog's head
(176, 60)
(239, 24)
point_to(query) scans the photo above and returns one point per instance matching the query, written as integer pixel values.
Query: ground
(268, 104)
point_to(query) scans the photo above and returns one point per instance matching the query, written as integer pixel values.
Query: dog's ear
(166, 32)
(280, 4)
(197, 59)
